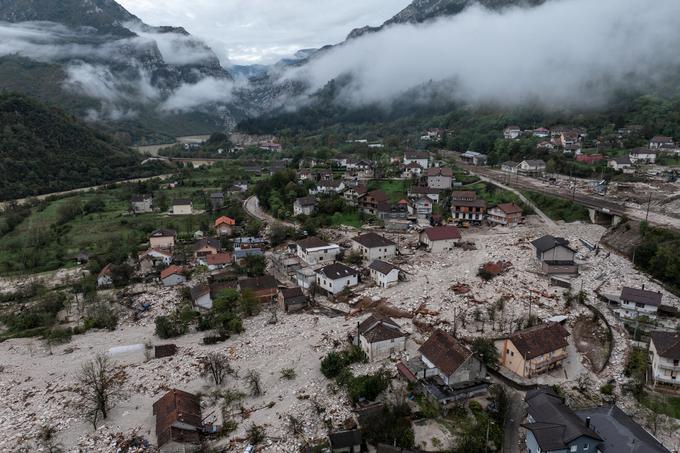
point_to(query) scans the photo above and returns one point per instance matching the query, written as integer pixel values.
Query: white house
(412, 170)
(328, 187)
(162, 239)
(509, 167)
(372, 246)
(424, 208)
(531, 167)
(660, 142)
(639, 302)
(421, 158)
(506, 214)
(158, 256)
(173, 276)
(304, 206)
(334, 278)
(182, 207)
(384, 274)
(474, 158)
(555, 256)
(512, 132)
(105, 277)
(141, 204)
(314, 251)
(201, 297)
(439, 178)
(541, 132)
(664, 348)
(620, 164)
(440, 239)
(380, 337)
(643, 156)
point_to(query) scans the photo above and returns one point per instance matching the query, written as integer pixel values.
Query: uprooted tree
(216, 366)
(99, 387)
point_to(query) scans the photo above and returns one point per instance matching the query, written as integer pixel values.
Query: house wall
(302, 210)
(443, 246)
(471, 370)
(375, 253)
(425, 163)
(664, 371)
(225, 230)
(104, 280)
(162, 242)
(205, 302)
(174, 280)
(142, 206)
(385, 281)
(182, 210)
(512, 359)
(558, 253)
(501, 218)
(439, 182)
(383, 349)
(631, 310)
(207, 250)
(336, 286)
(316, 256)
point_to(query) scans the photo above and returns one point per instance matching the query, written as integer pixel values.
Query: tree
(250, 305)
(216, 366)
(256, 434)
(254, 382)
(255, 265)
(99, 387)
(486, 351)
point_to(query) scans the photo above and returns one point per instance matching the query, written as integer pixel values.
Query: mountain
(425, 10)
(98, 61)
(46, 150)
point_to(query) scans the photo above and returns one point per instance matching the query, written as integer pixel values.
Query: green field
(395, 189)
(46, 241)
(558, 208)
(348, 219)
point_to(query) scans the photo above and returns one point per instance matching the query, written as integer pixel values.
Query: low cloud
(565, 53)
(207, 91)
(176, 48)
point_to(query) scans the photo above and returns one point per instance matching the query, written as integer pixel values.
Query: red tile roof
(443, 233)
(225, 220)
(171, 271)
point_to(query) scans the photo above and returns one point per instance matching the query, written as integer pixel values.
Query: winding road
(252, 206)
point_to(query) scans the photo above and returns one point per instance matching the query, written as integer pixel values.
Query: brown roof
(163, 233)
(171, 270)
(312, 243)
(509, 208)
(219, 259)
(378, 195)
(378, 328)
(337, 271)
(463, 195)
(443, 233)
(291, 293)
(667, 344)
(439, 172)
(107, 270)
(445, 352)
(208, 242)
(469, 203)
(539, 340)
(179, 409)
(641, 296)
(372, 240)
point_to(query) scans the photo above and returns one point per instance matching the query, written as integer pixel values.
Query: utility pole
(649, 205)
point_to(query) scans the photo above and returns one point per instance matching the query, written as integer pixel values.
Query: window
(586, 446)
(639, 305)
(573, 448)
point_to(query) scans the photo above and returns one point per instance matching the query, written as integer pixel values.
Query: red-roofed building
(178, 419)
(589, 159)
(173, 276)
(224, 226)
(440, 239)
(506, 214)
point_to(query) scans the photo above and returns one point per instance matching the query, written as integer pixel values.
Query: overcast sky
(263, 31)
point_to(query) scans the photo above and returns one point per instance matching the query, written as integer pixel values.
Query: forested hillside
(44, 150)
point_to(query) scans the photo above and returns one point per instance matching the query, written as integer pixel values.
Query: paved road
(252, 207)
(516, 413)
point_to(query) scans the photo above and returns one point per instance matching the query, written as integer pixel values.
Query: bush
(607, 389)
(169, 328)
(391, 426)
(369, 386)
(332, 364)
(214, 339)
(101, 316)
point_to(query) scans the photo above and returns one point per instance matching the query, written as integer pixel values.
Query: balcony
(538, 366)
(666, 380)
(669, 366)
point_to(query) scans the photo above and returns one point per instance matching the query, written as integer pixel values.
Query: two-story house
(371, 200)
(639, 302)
(372, 246)
(535, 350)
(315, 251)
(555, 256)
(162, 239)
(512, 132)
(352, 194)
(141, 204)
(439, 178)
(622, 164)
(643, 156)
(468, 210)
(505, 214)
(664, 351)
(304, 206)
(421, 158)
(531, 167)
(207, 246)
(182, 206)
(264, 288)
(336, 277)
(552, 427)
(384, 274)
(225, 226)
(440, 239)
(380, 337)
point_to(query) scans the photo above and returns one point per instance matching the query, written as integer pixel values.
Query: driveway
(511, 437)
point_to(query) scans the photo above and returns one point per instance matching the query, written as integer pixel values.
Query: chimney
(587, 422)
(643, 287)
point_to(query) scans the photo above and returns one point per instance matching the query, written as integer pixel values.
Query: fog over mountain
(570, 52)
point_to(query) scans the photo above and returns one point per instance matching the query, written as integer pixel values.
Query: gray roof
(667, 344)
(199, 291)
(625, 160)
(345, 439)
(535, 163)
(641, 296)
(337, 271)
(377, 328)
(312, 242)
(549, 242)
(306, 201)
(181, 202)
(382, 266)
(555, 424)
(620, 432)
(372, 240)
